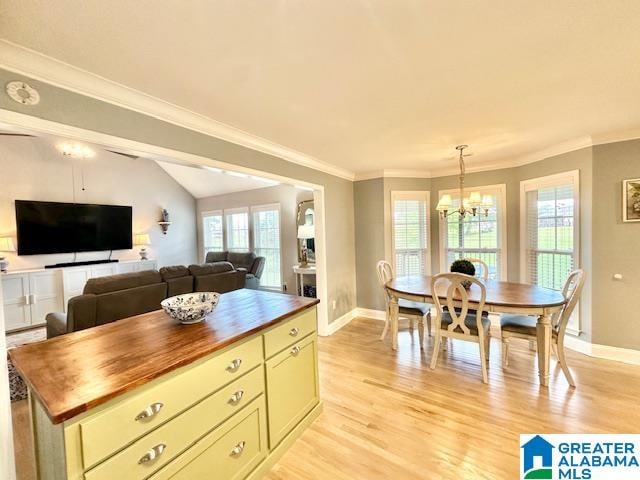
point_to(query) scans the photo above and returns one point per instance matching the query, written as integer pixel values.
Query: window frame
(203, 216)
(234, 211)
(253, 230)
(500, 190)
(564, 178)
(422, 195)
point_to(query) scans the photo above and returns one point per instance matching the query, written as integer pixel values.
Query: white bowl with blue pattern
(190, 307)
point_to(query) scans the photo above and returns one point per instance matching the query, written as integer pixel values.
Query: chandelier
(471, 205)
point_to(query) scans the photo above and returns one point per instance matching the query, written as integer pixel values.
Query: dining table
(501, 297)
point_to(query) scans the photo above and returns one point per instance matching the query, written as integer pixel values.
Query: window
(480, 237)
(237, 233)
(212, 232)
(410, 233)
(550, 231)
(266, 241)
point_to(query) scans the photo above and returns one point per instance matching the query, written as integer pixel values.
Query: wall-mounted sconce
(164, 223)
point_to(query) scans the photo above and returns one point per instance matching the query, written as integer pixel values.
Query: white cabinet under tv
(30, 294)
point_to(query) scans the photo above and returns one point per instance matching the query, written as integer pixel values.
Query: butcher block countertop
(75, 372)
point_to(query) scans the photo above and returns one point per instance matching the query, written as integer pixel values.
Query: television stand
(79, 264)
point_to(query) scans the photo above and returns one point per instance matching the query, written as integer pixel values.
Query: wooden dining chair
(524, 326)
(407, 309)
(484, 275)
(454, 319)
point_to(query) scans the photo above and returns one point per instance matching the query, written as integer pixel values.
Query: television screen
(52, 227)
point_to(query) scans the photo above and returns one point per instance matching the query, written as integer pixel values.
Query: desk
(502, 297)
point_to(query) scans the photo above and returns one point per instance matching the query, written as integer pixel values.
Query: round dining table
(501, 297)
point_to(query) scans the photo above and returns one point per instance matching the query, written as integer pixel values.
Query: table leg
(544, 348)
(394, 312)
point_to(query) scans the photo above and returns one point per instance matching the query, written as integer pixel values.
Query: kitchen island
(146, 397)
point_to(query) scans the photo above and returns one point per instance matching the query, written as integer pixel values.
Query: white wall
(7, 467)
(286, 196)
(34, 169)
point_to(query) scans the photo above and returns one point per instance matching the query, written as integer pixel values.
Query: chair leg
(488, 347)
(563, 363)
(483, 363)
(421, 332)
(436, 351)
(412, 324)
(429, 324)
(505, 352)
(554, 347)
(386, 324)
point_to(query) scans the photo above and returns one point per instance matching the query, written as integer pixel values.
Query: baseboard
(370, 313)
(340, 322)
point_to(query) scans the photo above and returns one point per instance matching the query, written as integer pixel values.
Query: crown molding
(46, 69)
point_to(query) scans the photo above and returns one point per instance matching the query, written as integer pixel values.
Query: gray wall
(77, 110)
(368, 197)
(286, 197)
(34, 169)
(369, 223)
(616, 247)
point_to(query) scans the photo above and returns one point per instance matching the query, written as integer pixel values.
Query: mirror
(306, 232)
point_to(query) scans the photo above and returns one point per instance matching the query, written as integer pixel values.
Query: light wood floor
(387, 416)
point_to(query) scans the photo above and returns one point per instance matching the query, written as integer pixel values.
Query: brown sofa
(114, 297)
(247, 261)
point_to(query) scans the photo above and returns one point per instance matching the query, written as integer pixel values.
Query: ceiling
(365, 85)
(202, 183)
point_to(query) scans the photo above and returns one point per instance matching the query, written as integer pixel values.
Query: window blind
(410, 234)
(475, 237)
(550, 233)
(237, 231)
(212, 232)
(266, 241)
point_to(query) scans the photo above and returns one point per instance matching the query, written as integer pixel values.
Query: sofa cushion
(134, 301)
(177, 271)
(216, 257)
(210, 268)
(123, 281)
(242, 259)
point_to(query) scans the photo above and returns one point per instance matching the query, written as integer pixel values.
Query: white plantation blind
(266, 241)
(237, 221)
(476, 237)
(410, 232)
(550, 253)
(212, 231)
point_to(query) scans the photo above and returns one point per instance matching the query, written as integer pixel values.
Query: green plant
(463, 266)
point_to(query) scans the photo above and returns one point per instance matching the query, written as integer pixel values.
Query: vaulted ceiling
(365, 85)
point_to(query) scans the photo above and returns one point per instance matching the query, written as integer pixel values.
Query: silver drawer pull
(236, 397)
(295, 350)
(152, 454)
(151, 411)
(294, 331)
(234, 365)
(237, 450)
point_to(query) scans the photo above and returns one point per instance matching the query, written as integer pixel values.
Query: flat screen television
(53, 227)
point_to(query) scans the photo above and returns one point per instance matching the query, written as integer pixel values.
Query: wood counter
(76, 372)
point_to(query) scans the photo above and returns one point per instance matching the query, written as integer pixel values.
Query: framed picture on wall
(631, 200)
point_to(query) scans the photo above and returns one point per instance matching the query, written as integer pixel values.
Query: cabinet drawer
(115, 427)
(289, 332)
(292, 383)
(175, 436)
(229, 452)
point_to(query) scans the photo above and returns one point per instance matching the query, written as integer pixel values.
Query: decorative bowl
(190, 307)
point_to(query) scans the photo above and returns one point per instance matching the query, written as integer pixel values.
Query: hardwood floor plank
(388, 416)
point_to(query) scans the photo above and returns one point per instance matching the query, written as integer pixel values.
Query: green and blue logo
(537, 459)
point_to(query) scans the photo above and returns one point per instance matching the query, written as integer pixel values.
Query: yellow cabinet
(229, 452)
(289, 332)
(292, 387)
